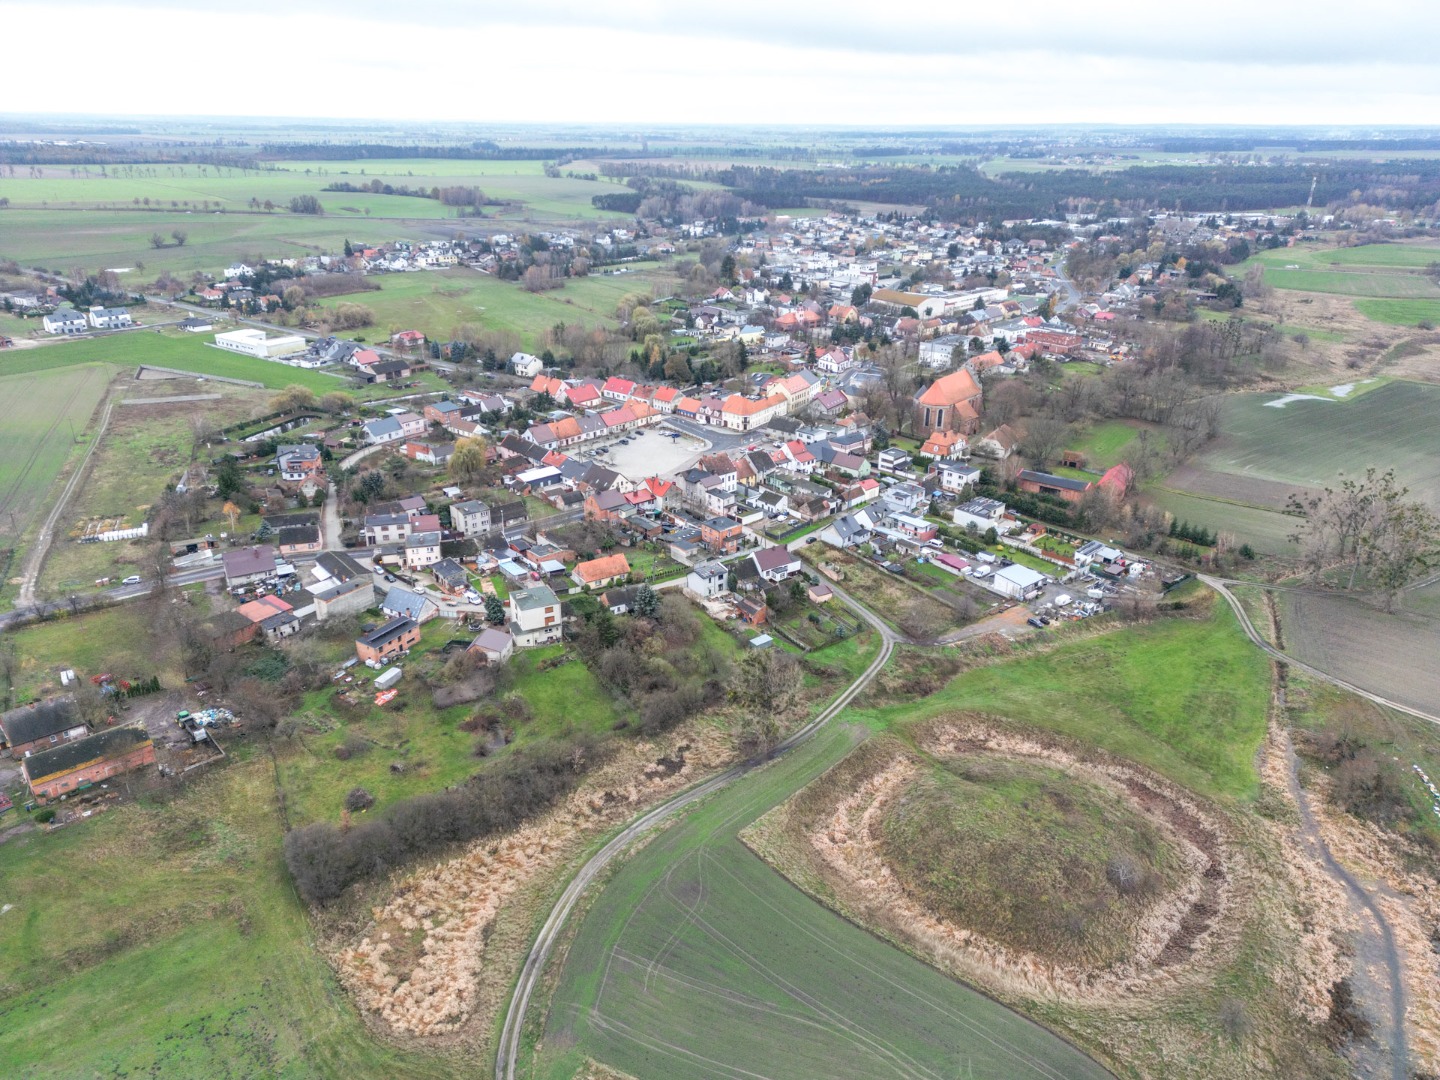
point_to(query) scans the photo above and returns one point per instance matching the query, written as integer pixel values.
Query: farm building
(1041, 483)
(388, 639)
(40, 726)
(1017, 582)
(75, 765)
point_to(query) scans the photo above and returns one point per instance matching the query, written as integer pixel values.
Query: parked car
(133, 579)
(390, 577)
(1036, 621)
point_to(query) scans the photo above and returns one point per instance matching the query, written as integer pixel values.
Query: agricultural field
(69, 217)
(1352, 638)
(43, 416)
(1241, 481)
(1387, 281)
(437, 302)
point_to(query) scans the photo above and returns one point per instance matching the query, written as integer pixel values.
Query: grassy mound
(1027, 855)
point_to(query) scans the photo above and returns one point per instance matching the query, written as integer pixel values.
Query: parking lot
(654, 453)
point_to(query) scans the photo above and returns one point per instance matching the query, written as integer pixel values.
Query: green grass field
(1264, 530)
(1400, 312)
(184, 352)
(1185, 697)
(42, 414)
(437, 302)
(1386, 279)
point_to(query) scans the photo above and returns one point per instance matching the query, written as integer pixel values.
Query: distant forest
(966, 192)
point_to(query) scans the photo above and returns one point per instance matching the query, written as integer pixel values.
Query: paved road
(1222, 586)
(507, 1056)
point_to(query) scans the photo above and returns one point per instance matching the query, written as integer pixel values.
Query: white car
(133, 579)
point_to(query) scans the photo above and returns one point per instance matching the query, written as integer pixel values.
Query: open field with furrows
(1390, 655)
(1043, 702)
(1311, 442)
(43, 414)
(212, 187)
(437, 302)
(1241, 481)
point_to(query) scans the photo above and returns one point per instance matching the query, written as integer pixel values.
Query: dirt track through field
(1378, 976)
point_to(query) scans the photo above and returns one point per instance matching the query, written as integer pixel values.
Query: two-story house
(535, 616)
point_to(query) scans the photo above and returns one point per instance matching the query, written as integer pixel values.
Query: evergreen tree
(494, 610)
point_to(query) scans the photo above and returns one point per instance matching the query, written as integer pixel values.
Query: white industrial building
(255, 343)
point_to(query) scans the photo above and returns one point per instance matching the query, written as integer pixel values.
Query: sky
(843, 62)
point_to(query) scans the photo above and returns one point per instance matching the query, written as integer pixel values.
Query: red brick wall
(100, 770)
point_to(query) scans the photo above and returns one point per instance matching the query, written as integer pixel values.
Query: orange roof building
(950, 403)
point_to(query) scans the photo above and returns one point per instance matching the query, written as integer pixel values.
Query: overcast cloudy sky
(743, 61)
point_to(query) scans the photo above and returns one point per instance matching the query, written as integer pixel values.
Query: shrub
(44, 817)
(358, 799)
(324, 861)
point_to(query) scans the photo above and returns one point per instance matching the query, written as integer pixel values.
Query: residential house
(41, 725)
(299, 463)
(386, 429)
(76, 765)
(429, 453)
(983, 514)
(470, 518)
(244, 566)
(422, 549)
(401, 602)
(775, 564)
(299, 538)
(535, 616)
(102, 318)
(274, 617)
(65, 321)
(940, 352)
(707, 580)
(956, 476)
(830, 403)
(721, 535)
(999, 444)
(597, 573)
(916, 528)
(381, 529)
(620, 600)
(945, 444)
(407, 339)
(895, 460)
(388, 640)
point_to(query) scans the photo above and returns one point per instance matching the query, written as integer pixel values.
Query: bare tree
(1045, 436)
